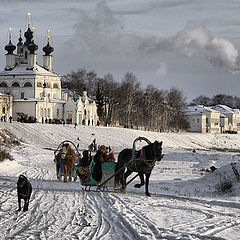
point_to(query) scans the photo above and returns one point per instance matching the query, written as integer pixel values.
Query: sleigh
(58, 160)
(108, 173)
(108, 170)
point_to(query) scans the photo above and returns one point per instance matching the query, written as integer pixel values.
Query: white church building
(36, 90)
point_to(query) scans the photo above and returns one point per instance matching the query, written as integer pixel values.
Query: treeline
(224, 99)
(128, 103)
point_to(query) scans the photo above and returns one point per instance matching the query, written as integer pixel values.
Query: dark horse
(143, 164)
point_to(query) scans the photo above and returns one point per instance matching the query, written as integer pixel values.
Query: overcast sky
(190, 44)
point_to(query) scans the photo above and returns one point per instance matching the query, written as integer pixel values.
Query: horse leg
(58, 170)
(65, 169)
(142, 181)
(124, 182)
(70, 173)
(147, 183)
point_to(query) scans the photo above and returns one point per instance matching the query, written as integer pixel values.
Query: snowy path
(74, 214)
(182, 206)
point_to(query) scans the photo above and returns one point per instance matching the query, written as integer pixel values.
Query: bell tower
(47, 57)
(10, 57)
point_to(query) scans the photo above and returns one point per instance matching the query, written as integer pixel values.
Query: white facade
(202, 119)
(82, 110)
(5, 107)
(233, 116)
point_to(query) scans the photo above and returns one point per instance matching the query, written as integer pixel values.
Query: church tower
(10, 57)
(47, 58)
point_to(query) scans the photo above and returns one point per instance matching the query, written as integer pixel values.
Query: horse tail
(120, 169)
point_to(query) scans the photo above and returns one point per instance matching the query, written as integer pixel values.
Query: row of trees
(129, 104)
(231, 101)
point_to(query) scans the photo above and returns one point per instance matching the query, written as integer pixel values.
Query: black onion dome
(10, 47)
(32, 47)
(29, 36)
(48, 49)
(19, 42)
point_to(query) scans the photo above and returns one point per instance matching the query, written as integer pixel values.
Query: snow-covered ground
(187, 201)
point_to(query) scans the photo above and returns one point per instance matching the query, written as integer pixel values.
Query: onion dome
(32, 47)
(48, 49)
(29, 36)
(20, 40)
(10, 47)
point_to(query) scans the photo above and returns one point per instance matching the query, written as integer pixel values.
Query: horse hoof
(148, 194)
(123, 191)
(137, 185)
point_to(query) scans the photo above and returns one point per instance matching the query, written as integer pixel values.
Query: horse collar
(142, 155)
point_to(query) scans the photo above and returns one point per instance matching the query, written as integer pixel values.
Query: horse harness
(149, 163)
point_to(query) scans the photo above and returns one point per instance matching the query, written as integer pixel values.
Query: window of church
(55, 85)
(15, 84)
(48, 85)
(22, 95)
(57, 112)
(39, 84)
(27, 84)
(3, 84)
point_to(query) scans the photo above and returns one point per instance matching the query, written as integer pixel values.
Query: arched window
(3, 110)
(55, 85)
(15, 84)
(39, 84)
(3, 84)
(48, 85)
(27, 84)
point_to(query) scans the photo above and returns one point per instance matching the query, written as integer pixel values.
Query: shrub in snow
(5, 155)
(8, 139)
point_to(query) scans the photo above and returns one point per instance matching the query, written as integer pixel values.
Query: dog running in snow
(24, 190)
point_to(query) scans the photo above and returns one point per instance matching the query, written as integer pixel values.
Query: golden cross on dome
(48, 35)
(10, 34)
(33, 29)
(29, 14)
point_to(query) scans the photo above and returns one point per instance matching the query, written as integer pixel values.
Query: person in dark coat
(99, 158)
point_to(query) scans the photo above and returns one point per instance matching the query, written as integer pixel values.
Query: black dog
(24, 190)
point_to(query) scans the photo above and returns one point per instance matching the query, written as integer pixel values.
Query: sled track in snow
(95, 215)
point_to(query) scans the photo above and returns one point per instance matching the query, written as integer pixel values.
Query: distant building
(82, 110)
(233, 116)
(5, 107)
(202, 119)
(36, 90)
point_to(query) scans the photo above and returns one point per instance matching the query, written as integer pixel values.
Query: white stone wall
(24, 107)
(5, 106)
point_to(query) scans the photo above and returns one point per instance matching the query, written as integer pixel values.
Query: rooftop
(21, 69)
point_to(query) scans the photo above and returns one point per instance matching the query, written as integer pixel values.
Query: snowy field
(187, 202)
